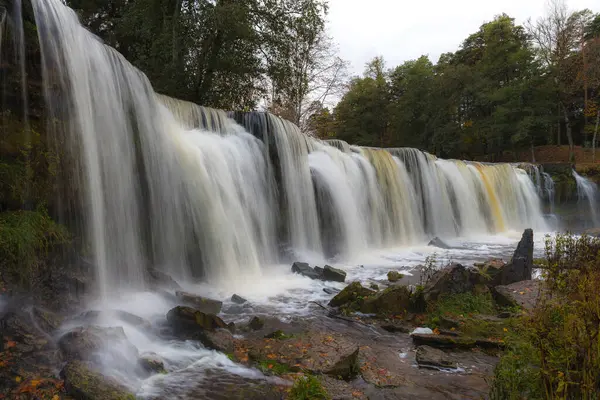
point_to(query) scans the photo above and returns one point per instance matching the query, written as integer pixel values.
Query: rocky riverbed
(399, 338)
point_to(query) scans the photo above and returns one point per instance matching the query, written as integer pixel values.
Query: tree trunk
(569, 132)
(532, 153)
(594, 139)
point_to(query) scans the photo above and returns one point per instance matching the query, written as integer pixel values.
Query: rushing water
(587, 193)
(229, 199)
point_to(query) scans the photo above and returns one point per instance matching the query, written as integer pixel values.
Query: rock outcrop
(394, 276)
(353, 293)
(326, 273)
(192, 324)
(82, 382)
(429, 357)
(203, 304)
(333, 274)
(395, 300)
(453, 279)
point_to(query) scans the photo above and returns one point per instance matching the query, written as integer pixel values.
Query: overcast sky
(402, 30)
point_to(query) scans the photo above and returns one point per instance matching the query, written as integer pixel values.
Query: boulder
(394, 276)
(84, 344)
(347, 368)
(83, 383)
(158, 279)
(333, 274)
(212, 331)
(256, 323)
(354, 292)
(394, 300)
(238, 299)
(437, 242)
(203, 304)
(523, 294)
(186, 319)
(429, 357)
(519, 268)
(373, 286)
(151, 363)
(127, 317)
(304, 269)
(452, 279)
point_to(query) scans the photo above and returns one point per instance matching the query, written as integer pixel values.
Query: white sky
(401, 30)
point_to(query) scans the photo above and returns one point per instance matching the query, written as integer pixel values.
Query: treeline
(228, 54)
(508, 87)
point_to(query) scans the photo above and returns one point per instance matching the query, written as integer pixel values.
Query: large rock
(158, 279)
(86, 343)
(347, 368)
(354, 292)
(452, 279)
(22, 330)
(189, 319)
(203, 304)
(83, 383)
(151, 363)
(212, 331)
(429, 357)
(394, 300)
(127, 317)
(520, 267)
(333, 274)
(304, 269)
(394, 276)
(238, 299)
(524, 294)
(437, 242)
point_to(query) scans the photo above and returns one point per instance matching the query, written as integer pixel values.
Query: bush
(559, 348)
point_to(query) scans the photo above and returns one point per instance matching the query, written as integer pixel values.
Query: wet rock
(151, 363)
(333, 274)
(21, 329)
(304, 269)
(354, 292)
(234, 309)
(520, 267)
(374, 286)
(454, 342)
(524, 294)
(346, 368)
(203, 304)
(83, 383)
(331, 290)
(256, 323)
(437, 242)
(238, 299)
(394, 276)
(429, 357)
(396, 328)
(319, 271)
(129, 318)
(212, 331)
(394, 300)
(186, 319)
(159, 279)
(46, 320)
(452, 279)
(85, 343)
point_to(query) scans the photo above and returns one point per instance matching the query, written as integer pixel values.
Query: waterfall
(587, 194)
(202, 193)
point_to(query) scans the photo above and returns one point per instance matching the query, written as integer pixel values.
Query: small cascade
(587, 194)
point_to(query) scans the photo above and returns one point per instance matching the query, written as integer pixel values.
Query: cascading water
(587, 194)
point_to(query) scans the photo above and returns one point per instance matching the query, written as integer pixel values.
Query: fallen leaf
(18, 379)
(10, 344)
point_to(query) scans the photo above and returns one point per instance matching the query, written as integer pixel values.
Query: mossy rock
(352, 293)
(394, 276)
(186, 318)
(83, 383)
(394, 300)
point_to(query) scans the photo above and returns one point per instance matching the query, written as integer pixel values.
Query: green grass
(273, 367)
(308, 387)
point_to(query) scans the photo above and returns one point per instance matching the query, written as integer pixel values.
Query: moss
(278, 335)
(26, 237)
(308, 387)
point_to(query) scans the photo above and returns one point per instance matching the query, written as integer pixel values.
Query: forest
(507, 87)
